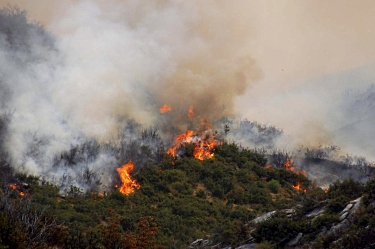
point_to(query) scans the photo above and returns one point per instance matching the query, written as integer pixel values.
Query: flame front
(165, 108)
(128, 185)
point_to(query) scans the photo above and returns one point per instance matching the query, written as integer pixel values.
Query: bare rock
(347, 208)
(264, 217)
(343, 216)
(295, 240)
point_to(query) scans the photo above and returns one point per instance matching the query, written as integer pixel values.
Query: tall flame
(165, 108)
(128, 185)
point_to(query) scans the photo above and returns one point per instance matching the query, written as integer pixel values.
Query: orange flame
(268, 166)
(13, 186)
(128, 185)
(191, 113)
(300, 172)
(288, 165)
(180, 139)
(203, 148)
(298, 187)
(22, 193)
(165, 108)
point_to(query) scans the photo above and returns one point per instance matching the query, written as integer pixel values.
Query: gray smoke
(71, 93)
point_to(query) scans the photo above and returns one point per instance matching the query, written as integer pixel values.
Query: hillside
(121, 129)
(186, 199)
(184, 202)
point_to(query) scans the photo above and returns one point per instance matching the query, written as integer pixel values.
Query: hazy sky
(304, 38)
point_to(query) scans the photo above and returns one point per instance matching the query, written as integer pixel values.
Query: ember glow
(165, 108)
(128, 185)
(15, 187)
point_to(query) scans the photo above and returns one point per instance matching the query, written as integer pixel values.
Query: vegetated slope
(184, 199)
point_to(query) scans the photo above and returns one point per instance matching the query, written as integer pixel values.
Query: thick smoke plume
(72, 91)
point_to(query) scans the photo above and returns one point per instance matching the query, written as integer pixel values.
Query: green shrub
(274, 186)
(276, 230)
(337, 204)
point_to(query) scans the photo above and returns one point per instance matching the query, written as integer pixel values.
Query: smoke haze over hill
(94, 64)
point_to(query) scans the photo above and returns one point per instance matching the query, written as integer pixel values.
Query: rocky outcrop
(200, 243)
(264, 217)
(335, 229)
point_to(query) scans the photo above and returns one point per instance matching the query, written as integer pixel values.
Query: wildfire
(128, 185)
(191, 113)
(203, 148)
(298, 187)
(165, 108)
(300, 172)
(186, 137)
(288, 166)
(15, 187)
